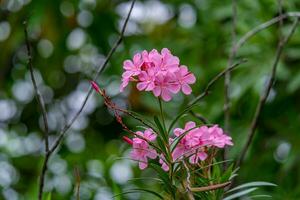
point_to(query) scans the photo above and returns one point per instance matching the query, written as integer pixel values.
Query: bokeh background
(70, 39)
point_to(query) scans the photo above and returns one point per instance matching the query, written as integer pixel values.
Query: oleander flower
(141, 150)
(163, 163)
(159, 72)
(196, 140)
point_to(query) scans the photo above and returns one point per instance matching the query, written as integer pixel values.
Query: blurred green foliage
(69, 40)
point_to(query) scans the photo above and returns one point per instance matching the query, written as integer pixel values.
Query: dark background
(71, 38)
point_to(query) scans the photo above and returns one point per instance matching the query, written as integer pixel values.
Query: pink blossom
(195, 141)
(185, 78)
(163, 163)
(218, 138)
(190, 144)
(148, 135)
(159, 72)
(197, 156)
(165, 85)
(133, 68)
(124, 83)
(146, 80)
(141, 149)
(141, 152)
(169, 62)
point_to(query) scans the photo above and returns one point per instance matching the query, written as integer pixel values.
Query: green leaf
(146, 179)
(161, 129)
(162, 174)
(216, 171)
(226, 175)
(252, 184)
(240, 194)
(261, 196)
(164, 177)
(136, 190)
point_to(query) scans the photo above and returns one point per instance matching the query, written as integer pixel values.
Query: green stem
(162, 114)
(167, 135)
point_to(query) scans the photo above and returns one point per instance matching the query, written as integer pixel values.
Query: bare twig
(101, 68)
(281, 20)
(214, 80)
(44, 113)
(228, 74)
(230, 61)
(210, 187)
(200, 117)
(99, 71)
(77, 187)
(263, 26)
(265, 94)
(37, 92)
(187, 182)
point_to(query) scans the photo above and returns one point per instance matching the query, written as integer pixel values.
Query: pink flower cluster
(160, 73)
(141, 148)
(193, 145)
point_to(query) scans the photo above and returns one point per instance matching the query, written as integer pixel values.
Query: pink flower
(146, 80)
(169, 62)
(185, 78)
(165, 85)
(133, 68)
(155, 58)
(190, 143)
(148, 134)
(159, 72)
(124, 83)
(197, 156)
(195, 141)
(141, 152)
(163, 163)
(218, 138)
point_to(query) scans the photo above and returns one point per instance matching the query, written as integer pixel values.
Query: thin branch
(200, 117)
(230, 61)
(214, 80)
(232, 55)
(265, 95)
(187, 183)
(281, 20)
(42, 175)
(77, 186)
(210, 187)
(263, 26)
(37, 92)
(44, 113)
(101, 68)
(99, 71)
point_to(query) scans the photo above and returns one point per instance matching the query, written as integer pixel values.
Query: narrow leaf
(161, 129)
(261, 196)
(138, 190)
(252, 184)
(240, 194)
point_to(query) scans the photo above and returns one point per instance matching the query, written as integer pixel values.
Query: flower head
(159, 72)
(196, 140)
(141, 150)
